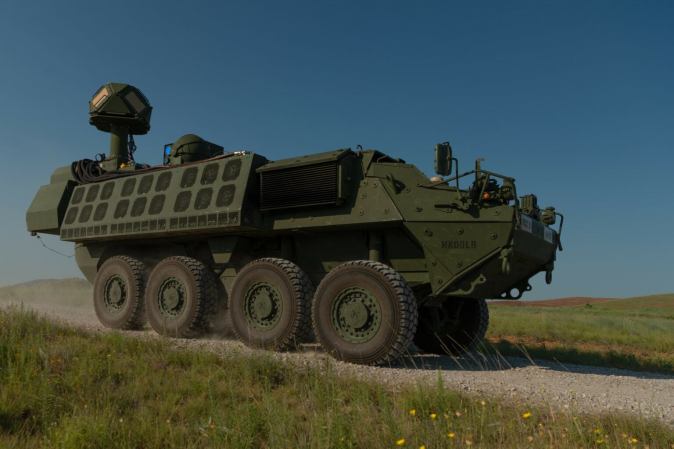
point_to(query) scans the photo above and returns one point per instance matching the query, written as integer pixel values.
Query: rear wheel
(118, 293)
(180, 297)
(364, 312)
(457, 326)
(270, 304)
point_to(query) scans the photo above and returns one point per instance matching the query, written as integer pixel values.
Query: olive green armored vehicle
(355, 249)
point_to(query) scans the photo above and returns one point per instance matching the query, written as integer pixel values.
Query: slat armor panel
(176, 199)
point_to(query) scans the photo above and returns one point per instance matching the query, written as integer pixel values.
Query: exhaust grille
(309, 185)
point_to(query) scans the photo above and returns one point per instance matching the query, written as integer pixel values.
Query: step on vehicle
(357, 250)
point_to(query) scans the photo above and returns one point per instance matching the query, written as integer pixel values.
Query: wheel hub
(356, 315)
(115, 293)
(262, 305)
(172, 297)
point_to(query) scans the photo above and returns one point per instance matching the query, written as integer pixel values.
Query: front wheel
(364, 312)
(455, 327)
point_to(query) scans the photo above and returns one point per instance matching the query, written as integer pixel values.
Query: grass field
(63, 388)
(635, 333)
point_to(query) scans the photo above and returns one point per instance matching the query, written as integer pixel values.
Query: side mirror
(443, 159)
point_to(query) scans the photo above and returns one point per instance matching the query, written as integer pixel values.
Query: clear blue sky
(574, 99)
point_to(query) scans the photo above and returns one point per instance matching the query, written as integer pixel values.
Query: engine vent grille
(308, 185)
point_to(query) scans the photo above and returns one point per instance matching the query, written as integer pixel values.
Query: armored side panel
(49, 205)
(321, 192)
(200, 198)
(470, 251)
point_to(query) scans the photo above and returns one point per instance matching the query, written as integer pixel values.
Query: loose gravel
(581, 389)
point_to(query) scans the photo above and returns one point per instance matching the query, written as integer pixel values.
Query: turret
(123, 111)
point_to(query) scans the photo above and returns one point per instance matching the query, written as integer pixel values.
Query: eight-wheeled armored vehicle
(356, 249)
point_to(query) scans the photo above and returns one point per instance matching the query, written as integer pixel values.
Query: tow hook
(506, 254)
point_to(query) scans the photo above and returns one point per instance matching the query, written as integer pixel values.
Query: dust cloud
(68, 299)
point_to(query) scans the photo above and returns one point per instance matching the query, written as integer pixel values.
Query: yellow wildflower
(600, 441)
(433, 415)
(483, 403)
(526, 415)
(633, 440)
(423, 446)
(400, 442)
(413, 412)
(451, 434)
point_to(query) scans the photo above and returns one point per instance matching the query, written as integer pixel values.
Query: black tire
(180, 297)
(270, 304)
(456, 327)
(119, 290)
(375, 310)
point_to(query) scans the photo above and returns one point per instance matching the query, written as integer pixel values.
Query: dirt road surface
(580, 389)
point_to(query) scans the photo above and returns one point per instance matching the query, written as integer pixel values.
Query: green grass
(63, 388)
(636, 333)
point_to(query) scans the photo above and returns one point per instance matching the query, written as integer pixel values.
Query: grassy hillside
(62, 388)
(636, 333)
(68, 292)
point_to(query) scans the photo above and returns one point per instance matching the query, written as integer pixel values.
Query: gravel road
(560, 386)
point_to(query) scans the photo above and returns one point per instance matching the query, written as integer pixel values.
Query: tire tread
(206, 292)
(136, 319)
(409, 313)
(302, 287)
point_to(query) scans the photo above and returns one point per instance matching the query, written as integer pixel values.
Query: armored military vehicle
(356, 249)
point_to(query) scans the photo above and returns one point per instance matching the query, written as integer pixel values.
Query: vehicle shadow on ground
(497, 362)
(491, 361)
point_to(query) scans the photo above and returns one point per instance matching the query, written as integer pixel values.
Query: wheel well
(152, 253)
